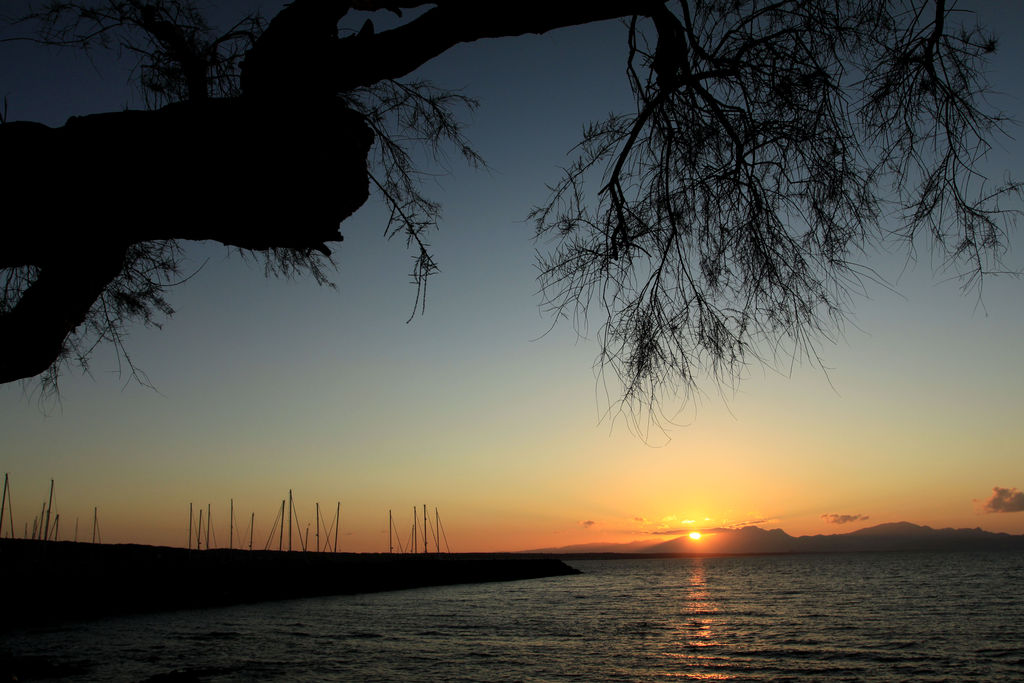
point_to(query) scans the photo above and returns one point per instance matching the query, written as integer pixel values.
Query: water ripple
(869, 617)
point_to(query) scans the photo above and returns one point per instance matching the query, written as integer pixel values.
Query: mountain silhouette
(748, 539)
(890, 536)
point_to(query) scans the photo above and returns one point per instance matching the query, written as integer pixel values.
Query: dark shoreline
(49, 582)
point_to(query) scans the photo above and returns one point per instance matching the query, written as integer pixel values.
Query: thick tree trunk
(224, 170)
(77, 197)
(277, 169)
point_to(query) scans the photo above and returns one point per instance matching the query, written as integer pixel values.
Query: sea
(830, 617)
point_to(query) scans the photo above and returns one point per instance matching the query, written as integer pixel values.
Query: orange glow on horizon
(695, 535)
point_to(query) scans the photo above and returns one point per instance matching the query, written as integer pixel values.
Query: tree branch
(363, 60)
(78, 197)
(32, 334)
(187, 171)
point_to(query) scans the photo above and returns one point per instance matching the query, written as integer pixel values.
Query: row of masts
(202, 535)
(436, 532)
(196, 528)
(41, 527)
(426, 531)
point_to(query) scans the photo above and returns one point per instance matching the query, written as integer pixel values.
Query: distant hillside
(749, 539)
(891, 536)
(907, 536)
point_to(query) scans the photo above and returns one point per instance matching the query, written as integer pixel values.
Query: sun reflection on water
(696, 633)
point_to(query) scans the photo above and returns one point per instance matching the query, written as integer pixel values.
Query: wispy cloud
(833, 518)
(1004, 500)
(586, 524)
(746, 522)
(730, 526)
(642, 520)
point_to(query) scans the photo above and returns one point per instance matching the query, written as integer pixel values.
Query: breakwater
(52, 581)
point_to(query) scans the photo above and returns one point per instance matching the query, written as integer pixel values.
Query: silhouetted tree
(771, 142)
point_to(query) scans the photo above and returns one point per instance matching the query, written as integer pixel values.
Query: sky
(479, 408)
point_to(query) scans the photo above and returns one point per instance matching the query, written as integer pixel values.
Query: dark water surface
(865, 617)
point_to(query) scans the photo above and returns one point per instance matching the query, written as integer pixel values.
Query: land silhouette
(891, 536)
(62, 580)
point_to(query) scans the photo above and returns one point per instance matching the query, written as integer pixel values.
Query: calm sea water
(865, 617)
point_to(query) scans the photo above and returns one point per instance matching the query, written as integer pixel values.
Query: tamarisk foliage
(724, 218)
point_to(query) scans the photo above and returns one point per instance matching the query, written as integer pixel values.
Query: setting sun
(695, 535)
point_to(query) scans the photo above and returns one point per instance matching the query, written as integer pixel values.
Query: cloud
(833, 518)
(587, 524)
(642, 520)
(732, 526)
(1004, 500)
(747, 522)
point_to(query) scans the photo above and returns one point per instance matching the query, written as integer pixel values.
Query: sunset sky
(262, 386)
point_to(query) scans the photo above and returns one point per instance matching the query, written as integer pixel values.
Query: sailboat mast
(290, 505)
(231, 526)
(337, 525)
(318, 526)
(425, 547)
(49, 508)
(10, 507)
(3, 506)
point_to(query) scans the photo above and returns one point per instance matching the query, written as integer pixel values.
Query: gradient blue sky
(265, 385)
